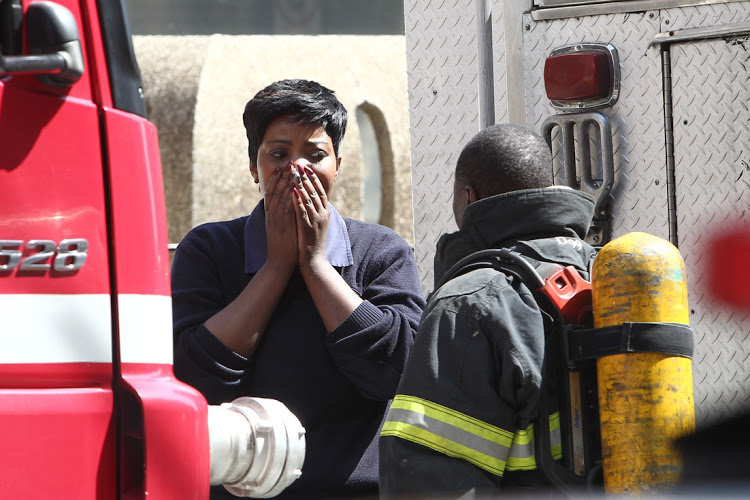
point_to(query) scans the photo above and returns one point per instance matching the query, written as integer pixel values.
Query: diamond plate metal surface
(704, 16)
(712, 143)
(711, 96)
(639, 198)
(442, 66)
(712, 173)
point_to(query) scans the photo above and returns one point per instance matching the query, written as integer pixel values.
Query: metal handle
(575, 130)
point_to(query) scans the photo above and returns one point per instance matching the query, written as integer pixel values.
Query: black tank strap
(665, 338)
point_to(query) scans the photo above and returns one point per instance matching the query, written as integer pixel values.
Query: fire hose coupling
(257, 446)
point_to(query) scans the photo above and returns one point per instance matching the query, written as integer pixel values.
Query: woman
(295, 302)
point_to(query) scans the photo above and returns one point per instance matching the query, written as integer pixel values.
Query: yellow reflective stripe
(459, 435)
(522, 451)
(448, 431)
(522, 456)
(454, 418)
(555, 437)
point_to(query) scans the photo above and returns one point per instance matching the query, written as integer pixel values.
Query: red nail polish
(296, 193)
(308, 170)
(276, 172)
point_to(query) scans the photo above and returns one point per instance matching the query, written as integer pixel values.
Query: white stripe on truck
(145, 329)
(38, 328)
(76, 328)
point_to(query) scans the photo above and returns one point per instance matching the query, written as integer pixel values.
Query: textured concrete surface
(196, 89)
(171, 69)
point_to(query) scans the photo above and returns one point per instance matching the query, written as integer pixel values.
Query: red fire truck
(89, 406)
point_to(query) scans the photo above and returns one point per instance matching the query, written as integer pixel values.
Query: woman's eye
(277, 153)
(318, 154)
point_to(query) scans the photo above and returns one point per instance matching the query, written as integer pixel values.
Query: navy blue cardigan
(338, 383)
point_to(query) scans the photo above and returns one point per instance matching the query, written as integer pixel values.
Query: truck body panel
(58, 442)
(679, 132)
(56, 398)
(89, 403)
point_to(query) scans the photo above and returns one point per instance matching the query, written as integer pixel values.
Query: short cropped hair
(304, 101)
(504, 158)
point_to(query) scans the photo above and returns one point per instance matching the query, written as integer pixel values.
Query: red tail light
(582, 76)
(728, 268)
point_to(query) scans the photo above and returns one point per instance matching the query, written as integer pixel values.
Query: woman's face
(302, 144)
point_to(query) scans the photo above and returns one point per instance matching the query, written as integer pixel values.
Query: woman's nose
(301, 161)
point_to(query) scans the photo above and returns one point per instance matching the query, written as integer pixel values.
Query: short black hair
(303, 101)
(504, 158)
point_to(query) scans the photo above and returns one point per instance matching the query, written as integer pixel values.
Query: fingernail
(296, 193)
(308, 170)
(296, 177)
(278, 169)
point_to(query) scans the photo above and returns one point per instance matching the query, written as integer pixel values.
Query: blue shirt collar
(338, 248)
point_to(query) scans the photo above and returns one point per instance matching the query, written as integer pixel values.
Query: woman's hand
(311, 207)
(332, 296)
(242, 323)
(281, 230)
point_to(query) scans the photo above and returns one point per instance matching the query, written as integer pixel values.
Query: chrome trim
(614, 66)
(37, 261)
(687, 35)
(564, 3)
(546, 14)
(69, 256)
(73, 248)
(11, 256)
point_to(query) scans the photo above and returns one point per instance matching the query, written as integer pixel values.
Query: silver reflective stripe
(522, 450)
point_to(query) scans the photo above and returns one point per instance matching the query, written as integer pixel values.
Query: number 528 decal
(68, 256)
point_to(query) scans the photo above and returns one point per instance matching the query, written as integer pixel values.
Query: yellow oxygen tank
(645, 399)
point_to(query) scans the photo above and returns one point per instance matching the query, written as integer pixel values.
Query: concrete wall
(196, 89)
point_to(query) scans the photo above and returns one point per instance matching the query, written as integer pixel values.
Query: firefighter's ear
(470, 194)
(463, 196)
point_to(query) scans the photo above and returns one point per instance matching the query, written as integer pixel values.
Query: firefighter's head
(307, 122)
(500, 159)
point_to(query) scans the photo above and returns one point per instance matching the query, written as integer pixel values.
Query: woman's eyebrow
(288, 142)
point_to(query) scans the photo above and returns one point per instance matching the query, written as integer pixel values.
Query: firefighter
(462, 420)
